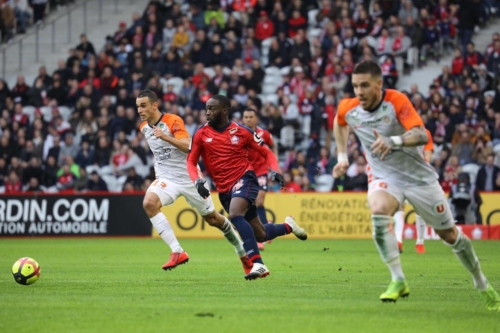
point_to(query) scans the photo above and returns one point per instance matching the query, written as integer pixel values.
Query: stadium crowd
(17, 15)
(77, 128)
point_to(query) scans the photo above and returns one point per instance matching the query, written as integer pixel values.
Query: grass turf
(116, 285)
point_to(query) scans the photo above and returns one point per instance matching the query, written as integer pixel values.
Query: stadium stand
(77, 128)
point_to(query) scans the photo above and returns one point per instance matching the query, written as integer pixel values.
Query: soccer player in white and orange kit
(390, 131)
(169, 141)
(399, 217)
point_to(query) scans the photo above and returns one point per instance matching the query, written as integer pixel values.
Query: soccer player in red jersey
(224, 147)
(259, 163)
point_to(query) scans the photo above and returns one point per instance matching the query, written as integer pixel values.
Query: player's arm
(429, 147)
(415, 134)
(258, 144)
(341, 133)
(181, 138)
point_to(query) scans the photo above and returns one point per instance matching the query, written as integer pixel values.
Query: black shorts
(246, 187)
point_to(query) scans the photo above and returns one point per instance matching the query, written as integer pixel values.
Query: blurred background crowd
(77, 127)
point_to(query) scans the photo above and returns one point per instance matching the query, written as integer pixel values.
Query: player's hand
(277, 177)
(200, 187)
(382, 146)
(158, 133)
(340, 169)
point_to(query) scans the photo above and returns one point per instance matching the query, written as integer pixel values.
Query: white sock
(232, 237)
(399, 224)
(420, 226)
(166, 232)
(387, 246)
(464, 251)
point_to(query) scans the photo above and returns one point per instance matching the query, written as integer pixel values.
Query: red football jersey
(258, 161)
(225, 153)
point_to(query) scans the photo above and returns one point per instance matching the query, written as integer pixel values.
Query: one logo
(144, 130)
(233, 130)
(235, 140)
(162, 125)
(238, 185)
(444, 222)
(439, 207)
(384, 107)
(386, 119)
(208, 140)
(257, 138)
(176, 127)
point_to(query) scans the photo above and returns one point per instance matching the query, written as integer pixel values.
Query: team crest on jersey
(162, 125)
(386, 120)
(439, 207)
(233, 130)
(235, 140)
(144, 130)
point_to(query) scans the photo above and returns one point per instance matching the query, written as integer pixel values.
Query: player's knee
(151, 206)
(213, 221)
(381, 208)
(448, 235)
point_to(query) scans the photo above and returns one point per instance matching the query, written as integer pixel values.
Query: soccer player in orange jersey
(390, 131)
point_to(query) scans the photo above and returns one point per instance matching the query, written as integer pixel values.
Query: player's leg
(238, 207)
(206, 209)
(156, 197)
(399, 224)
(434, 209)
(261, 197)
(421, 227)
(384, 199)
(269, 231)
(259, 203)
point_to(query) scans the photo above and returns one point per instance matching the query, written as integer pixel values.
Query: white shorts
(429, 201)
(168, 192)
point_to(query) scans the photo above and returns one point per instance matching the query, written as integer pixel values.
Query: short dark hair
(368, 67)
(251, 110)
(223, 100)
(149, 94)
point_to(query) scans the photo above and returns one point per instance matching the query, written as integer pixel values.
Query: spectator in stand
(7, 19)
(464, 149)
(488, 176)
(13, 184)
(431, 42)
(264, 28)
(95, 183)
(292, 184)
(50, 169)
(22, 14)
(33, 185)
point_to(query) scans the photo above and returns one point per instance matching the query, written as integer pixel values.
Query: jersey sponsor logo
(257, 138)
(439, 207)
(162, 154)
(208, 140)
(235, 140)
(161, 125)
(233, 130)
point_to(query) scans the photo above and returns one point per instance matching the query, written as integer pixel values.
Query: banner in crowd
(324, 215)
(476, 232)
(73, 215)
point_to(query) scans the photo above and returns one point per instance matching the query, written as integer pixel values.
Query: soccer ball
(26, 271)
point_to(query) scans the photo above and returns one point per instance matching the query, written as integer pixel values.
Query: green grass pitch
(117, 285)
